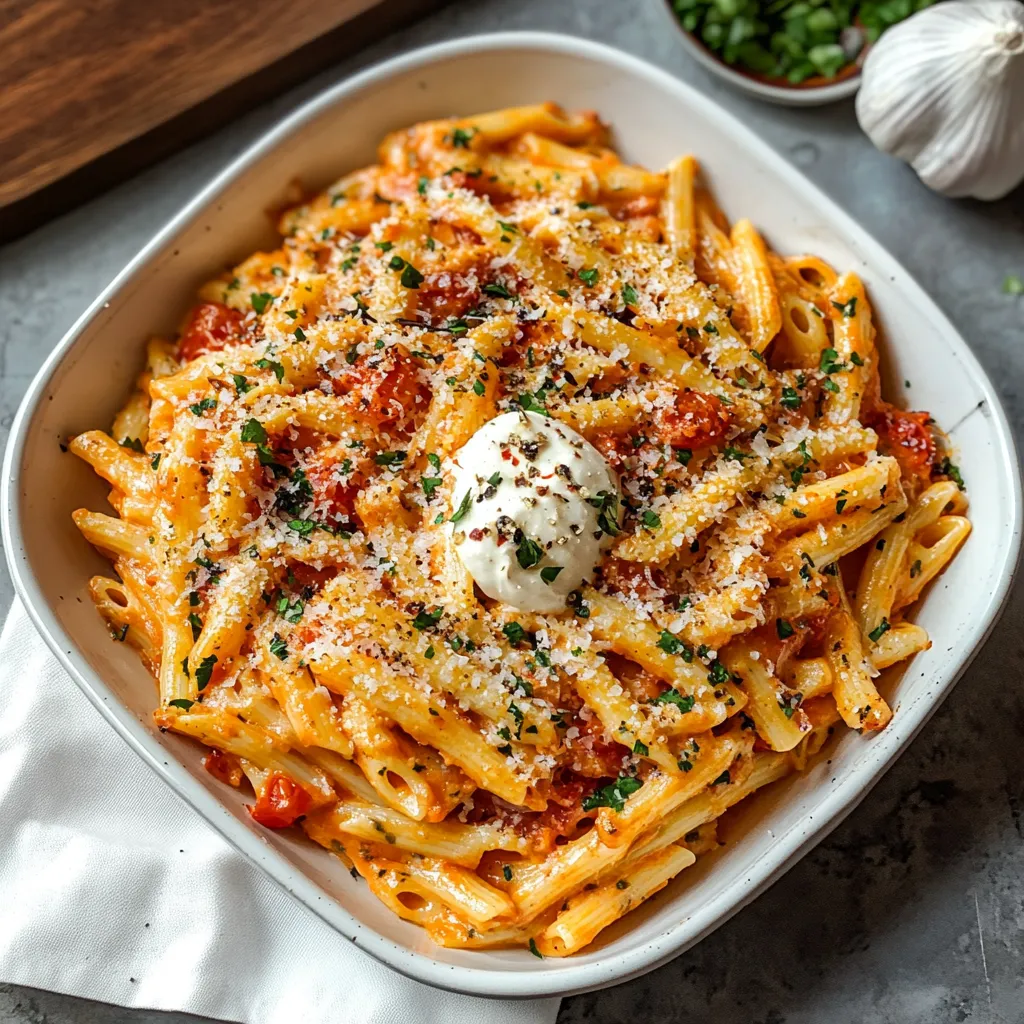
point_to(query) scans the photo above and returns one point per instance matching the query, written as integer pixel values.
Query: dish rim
(564, 977)
(781, 95)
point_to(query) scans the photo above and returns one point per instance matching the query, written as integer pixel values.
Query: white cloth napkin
(111, 888)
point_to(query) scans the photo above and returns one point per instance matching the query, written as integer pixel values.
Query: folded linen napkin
(113, 889)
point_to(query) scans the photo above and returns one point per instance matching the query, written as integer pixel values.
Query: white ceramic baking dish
(655, 118)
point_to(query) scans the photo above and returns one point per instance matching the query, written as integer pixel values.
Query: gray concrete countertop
(912, 912)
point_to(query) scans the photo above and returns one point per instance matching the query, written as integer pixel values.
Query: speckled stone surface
(913, 911)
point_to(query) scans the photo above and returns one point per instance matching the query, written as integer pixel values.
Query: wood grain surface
(80, 77)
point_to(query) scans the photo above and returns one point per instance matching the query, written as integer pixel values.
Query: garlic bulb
(944, 91)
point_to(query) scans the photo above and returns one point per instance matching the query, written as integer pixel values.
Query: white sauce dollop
(527, 498)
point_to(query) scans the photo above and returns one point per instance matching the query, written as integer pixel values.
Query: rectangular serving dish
(655, 118)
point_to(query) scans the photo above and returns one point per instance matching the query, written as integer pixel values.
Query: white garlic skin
(944, 91)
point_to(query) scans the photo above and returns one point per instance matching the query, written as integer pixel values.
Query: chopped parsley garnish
(514, 632)
(790, 398)
(588, 276)
(197, 625)
(290, 610)
(242, 385)
(499, 291)
(434, 460)
(279, 646)
(260, 300)
(135, 444)
(550, 573)
(270, 364)
(629, 296)
(528, 552)
(879, 631)
(155, 461)
(530, 404)
(505, 226)
(425, 620)
(303, 527)
(640, 749)
(614, 795)
(517, 717)
(430, 484)
(672, 696)
(253, 432)
(295, 495)
(205, 670)
(460, 513)
(650, 519)
(710, 328)
(784, 628)
(915, 569)
(718, 674)
(534, 950)
(840, 505)
(390, 458)
(669, 643)
(725, 778)
(734, 454)
(208, 403)
(830, 362)
(461, 138)
(478, 387)
(411, 277)
(947, 468)
(606, 503)
(848, 308)
(181, 702)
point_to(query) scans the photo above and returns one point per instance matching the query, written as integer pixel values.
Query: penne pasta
(491, 529)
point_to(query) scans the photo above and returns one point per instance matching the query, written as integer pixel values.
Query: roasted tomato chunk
(616, 448)
(213, 327)
(908, 437)
(335, 474)
(224, 767)
(696, 420)
(281, 803)
(386, 386)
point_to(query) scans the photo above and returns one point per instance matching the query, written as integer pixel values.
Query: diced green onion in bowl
(794, 45)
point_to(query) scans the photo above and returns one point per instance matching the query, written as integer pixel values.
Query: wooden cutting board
(93, 90)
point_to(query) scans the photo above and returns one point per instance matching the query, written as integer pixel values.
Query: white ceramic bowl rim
(561, 977)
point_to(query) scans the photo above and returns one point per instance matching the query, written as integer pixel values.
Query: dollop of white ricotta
(533, 505)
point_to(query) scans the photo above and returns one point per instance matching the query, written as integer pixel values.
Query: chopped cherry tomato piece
(387, 386)
(223, 766)
(281, 802)
(213, 327)
(697, 420)
(906, 436)
(309, 576)
(335, 474)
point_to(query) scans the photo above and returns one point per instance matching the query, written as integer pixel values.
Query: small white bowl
(656, 117)
(783, 95)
